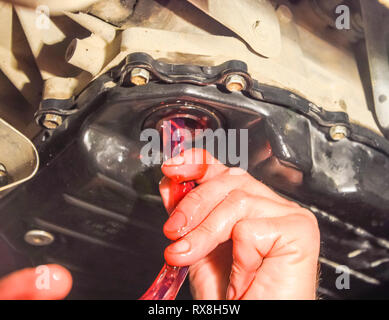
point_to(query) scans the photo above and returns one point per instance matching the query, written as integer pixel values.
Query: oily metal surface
(102, 204)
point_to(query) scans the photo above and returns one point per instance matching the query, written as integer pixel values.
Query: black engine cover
(102, 203)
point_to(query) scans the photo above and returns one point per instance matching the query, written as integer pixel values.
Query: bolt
(38, 238)
(3, 175)
(52, 121)
(338, 133)
(382, 98)
(139, 76)
(235, 83)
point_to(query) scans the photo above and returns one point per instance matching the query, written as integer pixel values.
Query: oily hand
(241, 239)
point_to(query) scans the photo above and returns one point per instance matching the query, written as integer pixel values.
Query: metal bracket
(376, 19)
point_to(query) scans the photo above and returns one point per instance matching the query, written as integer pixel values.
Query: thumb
(275, 258)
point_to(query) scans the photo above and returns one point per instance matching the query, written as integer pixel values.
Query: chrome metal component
(235, 83)
(338, 133)
(3, 175)
(52, 121)
(191, 112)
(38, 238)
(139, 76)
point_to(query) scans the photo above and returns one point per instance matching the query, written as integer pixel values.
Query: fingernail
(178, 160)
(181, 246)
(176, 222)
(230, 293)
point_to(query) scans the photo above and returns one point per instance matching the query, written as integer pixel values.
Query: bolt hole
(382, 98)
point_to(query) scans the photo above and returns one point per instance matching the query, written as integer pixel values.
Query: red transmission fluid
(170, 279)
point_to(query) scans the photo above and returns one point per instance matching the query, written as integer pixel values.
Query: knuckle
(310, 219)
(194, 196)
(308, 224)
(242, 231)
(237, 171)
(237, 269)
(207, 229)
(237, 195)
(293, 204)
(238, 200)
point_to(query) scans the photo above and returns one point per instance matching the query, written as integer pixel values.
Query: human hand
(240, 238)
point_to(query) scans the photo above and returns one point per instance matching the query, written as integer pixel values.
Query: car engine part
(310, 94)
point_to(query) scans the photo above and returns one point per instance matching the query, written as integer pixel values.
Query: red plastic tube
(170, 279)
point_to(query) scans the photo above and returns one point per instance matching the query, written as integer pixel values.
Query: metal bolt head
(52, 121)
(3, 175)
(338, 133)
(235, 83)
(38, 238)
(139, 76)
(3, 170)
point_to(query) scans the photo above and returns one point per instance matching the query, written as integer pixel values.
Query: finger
(209, 277)
(216, 183)
(173, 192)
(252, 242)
(188, 167)
(290, 249)
(217, 227)
(167, 189)
(199, 202)
(193, 164)
(246, 260)
(50, 282)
